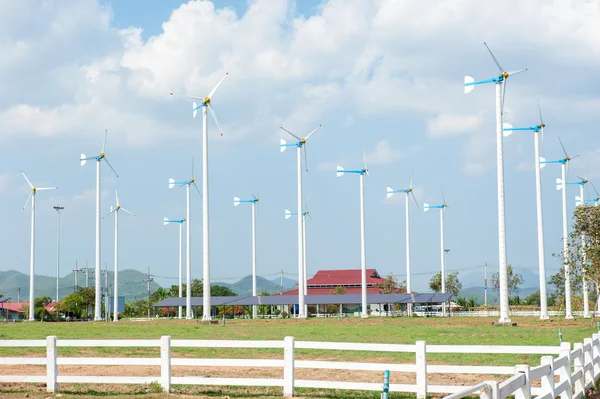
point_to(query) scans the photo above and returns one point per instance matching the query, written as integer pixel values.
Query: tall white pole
(206, 308)
(443, 258)
(98, 297)
(485, 286)
(188, 258)
(32, 261)
(568, 312)
(363, 248)
(180, 315)
(540, 230)
(408, 287)
(503, 274)
(254, 307)
(586, 305)
(57, 252)
(116, 276)
(304, 261)
(301, 313)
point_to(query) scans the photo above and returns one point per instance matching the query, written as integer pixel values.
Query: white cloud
(383, 154)
(447, 125)
(329, 167)
(475, 169)
(5, 182)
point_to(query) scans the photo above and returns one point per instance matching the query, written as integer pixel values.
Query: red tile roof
(327, 291)
(20, 307)
(343, 277)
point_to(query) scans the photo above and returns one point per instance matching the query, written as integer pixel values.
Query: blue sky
(380, 76)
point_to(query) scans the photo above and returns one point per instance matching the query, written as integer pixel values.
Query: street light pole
(58, 209)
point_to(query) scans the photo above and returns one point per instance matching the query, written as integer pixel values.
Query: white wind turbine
(116, 210)
(408, 191)
(205, 105)
(166, 221)
(561, 185)
(98, 158)
(363, 249)
(188, 257)
(441, 207)
(254, 202)
(299, 145)
(32, 249)
(508, 130)
(580, 200)
(288, 214)
(500, 82)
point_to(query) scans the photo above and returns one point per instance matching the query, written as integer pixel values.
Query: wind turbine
(205, 105)
(580, 201)
(408, 191)
(32, 250)
(188, 247)
(98, 158)
(116, 210)
(306, 213)
(166, 221)
(500, 82)
(441, 207)
(597, 198)
(254, 202)
(561, 185)
(363, 249)
(299, 144)
(508, 130)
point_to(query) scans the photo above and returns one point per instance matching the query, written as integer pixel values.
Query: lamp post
(58, 209)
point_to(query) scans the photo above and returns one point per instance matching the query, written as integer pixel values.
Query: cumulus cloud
(449, 125)
(383, 154)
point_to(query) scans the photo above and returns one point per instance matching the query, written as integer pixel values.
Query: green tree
(514, 281)
(391, 286)
(77, 303)
(533, 299)
(339, 290)
(39, 308)
(453, 284)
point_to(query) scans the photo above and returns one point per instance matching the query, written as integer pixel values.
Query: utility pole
(19, 294)
(58, 209)
(485, 285)
(281, 282)
(147, 281)
(76, 286)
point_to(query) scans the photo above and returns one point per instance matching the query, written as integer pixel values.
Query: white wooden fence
(580, 366)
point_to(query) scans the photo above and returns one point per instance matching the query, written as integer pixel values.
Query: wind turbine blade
(111, 211)
(411, 178)
(197, 189)
(129, 212)
(171, 183)
(563, 148)
(503, 94)
(110, 166)
(291, 134)
(186, 96)
(313, 132)
(166, 221)
(540, 111)
(516, 72)
(104, 144)
(572, 158)
(194, 109)
(212, 112)
(495, 60)
(28, 182)
(389, 192)
(46, 188)
(192, 168)
(308, 214)
(415, 198)
(443, 199)
(117, 196)
(28, 198)
(213, 91)
(596, 191)
(236, 201)
(305, 158)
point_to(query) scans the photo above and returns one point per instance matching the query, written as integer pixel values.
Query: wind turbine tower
(561, 185)
(580, 201)
(32, 248)
(500, 82)
(116, 210)
(205, 105)
(254, 202)
(363, 249)
(508, 130)
(98, 158)
(166, 221)
(299, 144)
(441, 207)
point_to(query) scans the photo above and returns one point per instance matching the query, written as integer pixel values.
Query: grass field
(469, 331)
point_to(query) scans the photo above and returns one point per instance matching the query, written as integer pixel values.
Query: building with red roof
(326, 281)
(16, 310)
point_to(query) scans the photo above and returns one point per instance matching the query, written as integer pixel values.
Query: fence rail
(577, 369)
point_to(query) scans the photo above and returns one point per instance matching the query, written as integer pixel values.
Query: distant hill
(478, 293)
(131, 284)
(244, 286)
(291, 284)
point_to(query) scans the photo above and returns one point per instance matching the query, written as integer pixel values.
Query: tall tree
(514, 281)
(339, 290)
(453, 284)
(391, 286)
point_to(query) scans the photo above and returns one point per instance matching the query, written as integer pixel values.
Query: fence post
(596, 356)
(421, 365)
(588, 363)
(491, 392)
(565, 372)
(51, 367)
(578, 366)
(165, 363)
(288, 367)
(524, 392)
(548, 379)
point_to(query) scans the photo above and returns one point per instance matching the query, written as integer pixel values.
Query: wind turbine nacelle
(340, 171)
(194, 109)
(166, 221)
(82, 160)
(506, 133)
(559, 183)
(470, 87)
(425, 207)
(578, 200)
(288, 214)
(236, 201)
(282, 145)
(389, 192)
(171, 183)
